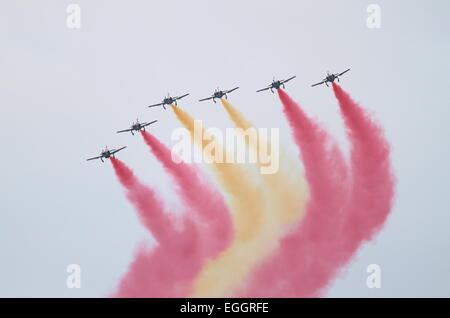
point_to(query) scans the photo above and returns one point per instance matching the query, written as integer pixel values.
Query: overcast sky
(64, 92)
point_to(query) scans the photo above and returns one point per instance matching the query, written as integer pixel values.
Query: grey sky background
(64, 93)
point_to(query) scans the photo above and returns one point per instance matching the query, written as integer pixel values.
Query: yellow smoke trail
(253, 234)
(247, 198)
(257, 231)
(287, 186)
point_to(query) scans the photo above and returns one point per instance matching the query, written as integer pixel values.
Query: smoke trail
(156, 272)
(310, 251)
(287, 186)
(373, 180)
(253, 234)
(149, 207)
(369, 202)
(200, 195)
(245, 194)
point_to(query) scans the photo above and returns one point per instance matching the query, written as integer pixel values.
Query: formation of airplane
(276, 84)
(169, 101)
(106, 153)
(331, 78)
(137, 126)
(218, 94)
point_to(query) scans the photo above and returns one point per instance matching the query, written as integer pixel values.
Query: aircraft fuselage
(137, 127)
(331, 78)
(276, 84)
(106, 154)
(219, 94)
(168, 100)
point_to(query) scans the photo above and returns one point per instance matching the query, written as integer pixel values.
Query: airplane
(169, 101)
(106, 153)
(219, 94)
(137, 126)
(330, 78)
(276, 84)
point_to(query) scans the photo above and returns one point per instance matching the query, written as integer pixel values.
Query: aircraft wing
(154, 105)
(208, 98)
(233, 89)
(94, 158)
(290, 78)
(146, 124)
(318, 84)
(125, 130)
(263, 89)
(117, 150)
(180, 97)
(344, 72)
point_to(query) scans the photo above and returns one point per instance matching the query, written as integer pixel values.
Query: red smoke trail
(308, 254)
(168, 269)
(150, 208)
(200, 195)
(373, 180)
(327, 239)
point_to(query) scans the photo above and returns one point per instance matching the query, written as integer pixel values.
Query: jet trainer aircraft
(169, 101)
(330, 78)
(106, 153)
(137, 126)
(276, 84)
(219, 94)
